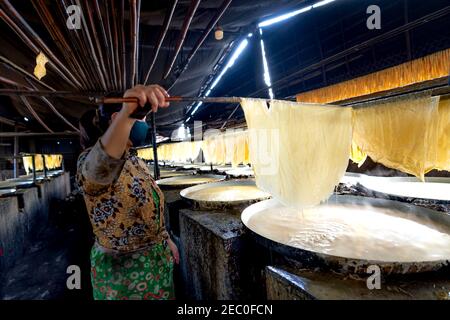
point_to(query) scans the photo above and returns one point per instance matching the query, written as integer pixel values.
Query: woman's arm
(103, 164)
(116, 137)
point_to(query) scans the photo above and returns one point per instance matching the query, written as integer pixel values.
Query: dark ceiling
(236, 21)
(291, 46)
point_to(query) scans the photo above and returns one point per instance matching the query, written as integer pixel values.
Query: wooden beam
(35, 115)
(135, 10)
(31, 38)
(182, 37)
(36, 134)
(209, 28)
(162, 36)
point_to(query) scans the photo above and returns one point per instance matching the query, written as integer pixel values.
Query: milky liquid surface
(352, 231)
(183, 180)
(228, 193)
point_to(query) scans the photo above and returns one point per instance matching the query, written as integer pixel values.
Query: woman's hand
(116, 138)
(153, 94)
(174, 249)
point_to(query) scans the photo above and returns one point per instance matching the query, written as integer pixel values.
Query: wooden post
(16, 154)
(45, 169)
(33, 161)
(155, 148)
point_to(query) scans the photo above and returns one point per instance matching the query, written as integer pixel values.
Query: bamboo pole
(24, 72)
(135, 9)
(57, 36)
(209, 28)
(116, 64)
(123, 46)
(162, 36)
(54, 62)
(94, 57)
(36, 134)
(47, 102)
(55, 111)
(182, 37)
(35, 115)
(110, 45)
(80, 50)
(94, 44)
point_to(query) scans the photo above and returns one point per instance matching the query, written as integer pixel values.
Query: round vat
(348, 234)
(232, 194)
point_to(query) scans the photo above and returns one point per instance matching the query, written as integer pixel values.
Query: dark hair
(90, 132)
(94, 123)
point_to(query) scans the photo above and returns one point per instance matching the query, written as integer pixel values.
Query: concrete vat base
(24, 213)
(215, 260)
(284, 283)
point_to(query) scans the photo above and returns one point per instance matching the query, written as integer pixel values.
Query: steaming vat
(349, 233)
(169, 173)
(226, 194)
(435, 188)
(186, 181)
(244, 172)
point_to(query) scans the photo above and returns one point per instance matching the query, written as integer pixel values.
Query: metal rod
(155, 147)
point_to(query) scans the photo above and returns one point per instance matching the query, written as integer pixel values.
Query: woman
(133, 254)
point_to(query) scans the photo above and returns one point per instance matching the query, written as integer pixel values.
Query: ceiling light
(285, 16)
(218, 33)
(322, 3)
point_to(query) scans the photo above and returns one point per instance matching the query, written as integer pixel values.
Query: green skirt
(146, 274)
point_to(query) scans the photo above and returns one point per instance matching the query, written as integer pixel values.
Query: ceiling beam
(36, 134)
(165, 28)
(182, 37)
(32, 38)
(58, 38)
(35, 115)
(135, 9)
(199, 43)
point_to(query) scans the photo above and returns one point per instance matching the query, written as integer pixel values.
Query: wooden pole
(155, 147)
(183, 33)
(209, 28)
(54, 62)
(162, 36)
(16, 154)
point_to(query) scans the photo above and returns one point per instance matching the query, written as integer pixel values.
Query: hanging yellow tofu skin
(440, 150)
(357, 155)
(399, 133)
(299, 152)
